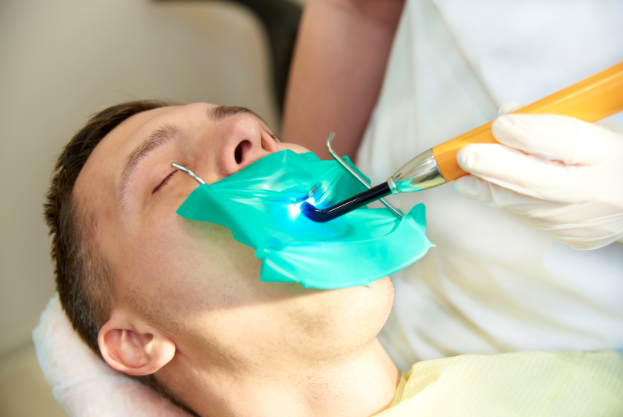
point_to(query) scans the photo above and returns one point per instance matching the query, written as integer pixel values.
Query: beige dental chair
(62, 61)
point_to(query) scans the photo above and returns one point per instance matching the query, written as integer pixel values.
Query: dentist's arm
(337, 71)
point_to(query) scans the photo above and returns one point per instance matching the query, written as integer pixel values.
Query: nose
(245, 141)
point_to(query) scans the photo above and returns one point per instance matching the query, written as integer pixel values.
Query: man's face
(191, 279)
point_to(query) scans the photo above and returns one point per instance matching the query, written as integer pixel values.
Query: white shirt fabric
(492, 284)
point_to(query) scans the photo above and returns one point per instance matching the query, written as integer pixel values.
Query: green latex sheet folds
(260, 205)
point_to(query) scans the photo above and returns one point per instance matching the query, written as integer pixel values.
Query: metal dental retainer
(189, 172)
(335, 156)
(344, 165)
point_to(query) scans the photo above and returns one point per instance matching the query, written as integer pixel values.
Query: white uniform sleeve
(492, 284)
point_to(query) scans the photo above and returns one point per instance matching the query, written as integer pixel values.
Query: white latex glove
(556, 173)
(82, 383)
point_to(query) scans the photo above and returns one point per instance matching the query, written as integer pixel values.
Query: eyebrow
(222, 112)
(219, 113)
(154, 141)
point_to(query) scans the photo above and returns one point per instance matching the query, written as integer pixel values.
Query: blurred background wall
(61, 61)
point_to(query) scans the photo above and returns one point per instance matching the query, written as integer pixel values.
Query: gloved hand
(556, 173)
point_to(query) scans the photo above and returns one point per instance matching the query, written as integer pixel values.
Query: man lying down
(178, 303)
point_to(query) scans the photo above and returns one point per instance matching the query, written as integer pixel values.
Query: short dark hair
(84, 279)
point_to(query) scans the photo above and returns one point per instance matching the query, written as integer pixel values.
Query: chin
(359, 313)
(382, 301)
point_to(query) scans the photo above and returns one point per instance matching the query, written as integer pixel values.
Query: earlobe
(133, 347)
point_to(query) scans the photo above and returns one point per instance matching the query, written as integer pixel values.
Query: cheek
(187, 268)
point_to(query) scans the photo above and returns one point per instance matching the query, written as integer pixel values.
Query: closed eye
(164, 182)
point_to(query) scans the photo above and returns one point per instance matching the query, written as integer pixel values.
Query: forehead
(129, 134)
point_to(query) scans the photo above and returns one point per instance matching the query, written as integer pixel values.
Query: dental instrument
(344, 165)
(257, 204)
(590, 100)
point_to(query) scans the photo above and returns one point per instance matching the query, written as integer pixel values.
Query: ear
(132, 346)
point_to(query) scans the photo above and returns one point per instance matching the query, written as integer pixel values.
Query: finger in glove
(555, 137)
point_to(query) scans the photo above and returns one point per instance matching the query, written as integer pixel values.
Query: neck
(361, 384)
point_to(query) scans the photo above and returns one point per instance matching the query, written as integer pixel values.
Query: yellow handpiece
(592, 99)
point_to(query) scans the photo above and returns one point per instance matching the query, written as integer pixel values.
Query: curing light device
(590, 100)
